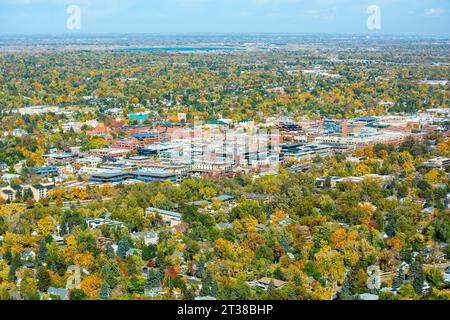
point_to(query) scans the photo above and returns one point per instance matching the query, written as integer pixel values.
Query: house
(3, 166)
(178, 254)
(260, 228)
(133, 251)
(59, 240)
(97, 222)
(40, 191)
(28, 255)
(28, 265)
(224, 225)
(8, 177)
(258, 196)
(59, 293)
(193, 281)
(223, 198)
(153, 292)
(170, 218)
(8, 194)
(286, 221)
(265, 281)
(149, 237)
(447, 275)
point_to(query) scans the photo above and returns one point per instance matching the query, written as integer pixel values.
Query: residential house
(8, 194)
(265, 282)
(28, 255)
(149, 237)
(94, 223)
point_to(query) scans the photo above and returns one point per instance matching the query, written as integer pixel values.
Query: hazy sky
(422, 17)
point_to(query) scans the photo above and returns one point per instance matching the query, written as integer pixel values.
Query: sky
(397, 17)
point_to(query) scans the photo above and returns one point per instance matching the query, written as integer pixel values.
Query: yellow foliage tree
(91, 285)
(45, 226)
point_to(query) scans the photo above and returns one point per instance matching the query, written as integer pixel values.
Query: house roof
(223, 197)
(277, 283)
(197, 203)
(165, 212)
(224, 225)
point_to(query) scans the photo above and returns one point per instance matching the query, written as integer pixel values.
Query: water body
(189, 49)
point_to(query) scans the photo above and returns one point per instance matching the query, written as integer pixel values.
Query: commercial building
(170, 218)
(45, 171)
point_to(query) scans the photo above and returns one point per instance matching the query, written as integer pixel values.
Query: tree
(45, 226)
(122, 248)
(417, 276)
(105, 291)
(399, 279)
(77, 294)
(42, 251)
(346, 291)
(190, 294)
(149, 252)
(153, 279)
(209, 286)
(15, 264)
(43, 278)
(91, 285)
(264, 252)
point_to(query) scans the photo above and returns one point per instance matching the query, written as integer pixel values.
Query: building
(145, 139)
(111, 176)
(40, 191)
(91, 162)
(118, 176)
(108, 152)
(8, 194)
(210, 167)
(437, 163)
(224, 198)
(59, 158)
(35, 110)
(333, 181)
(150, 176)
(265, 282)
(97, 222)
(170, 218)
(149, 237)
(45, 171)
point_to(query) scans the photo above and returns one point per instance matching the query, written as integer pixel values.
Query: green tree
(153, 279)
(43, 278)
(105, 291)
(42, 252)
(417, 276)
(123, 247)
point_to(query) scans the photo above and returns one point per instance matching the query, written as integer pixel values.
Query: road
(69, 204)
